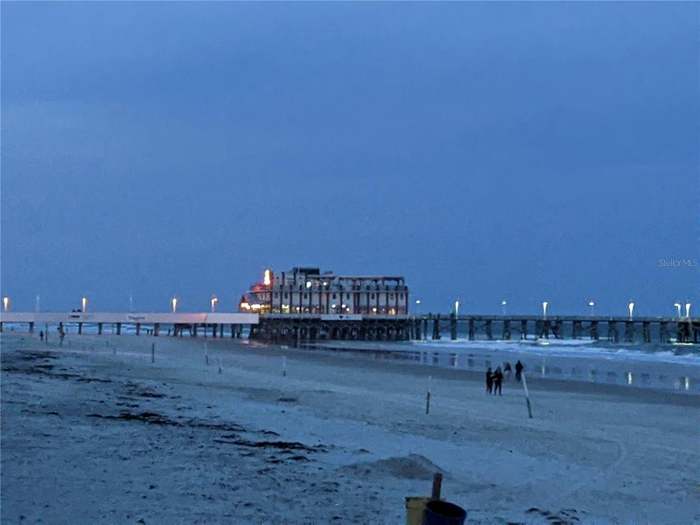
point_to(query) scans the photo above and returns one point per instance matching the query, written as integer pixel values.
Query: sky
(507, 151)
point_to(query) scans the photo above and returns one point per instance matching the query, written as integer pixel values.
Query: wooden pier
(297, 329)
(502, 327)
(155, 324)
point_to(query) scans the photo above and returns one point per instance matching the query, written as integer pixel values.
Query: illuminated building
(304, 290)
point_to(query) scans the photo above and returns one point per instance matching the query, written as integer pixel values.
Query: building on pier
(305, 290)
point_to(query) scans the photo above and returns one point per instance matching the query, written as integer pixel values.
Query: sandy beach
(94, 432)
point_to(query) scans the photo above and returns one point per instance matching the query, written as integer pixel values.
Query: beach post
(437, 485)
(206, 353)
(284, 366)
(220, 368)
(527, 395)
(153, 352)
(427, 396)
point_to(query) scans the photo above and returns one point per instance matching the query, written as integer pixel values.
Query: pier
(176, 324)
(297, 329)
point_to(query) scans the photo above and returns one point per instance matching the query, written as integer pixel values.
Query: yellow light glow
(84, 304)
(245, 306)
(267, 277)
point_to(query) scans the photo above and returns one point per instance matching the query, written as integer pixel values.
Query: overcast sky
(527, 152)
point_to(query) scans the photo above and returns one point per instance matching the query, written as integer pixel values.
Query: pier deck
(302, 328)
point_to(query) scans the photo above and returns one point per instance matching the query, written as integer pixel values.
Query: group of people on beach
(494, 379)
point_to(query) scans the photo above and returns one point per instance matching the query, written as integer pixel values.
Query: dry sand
(99, 434)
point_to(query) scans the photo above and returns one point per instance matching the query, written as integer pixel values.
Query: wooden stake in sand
(427, 396)
(206, 353)
(527, 395)
(437, 485)
(153, 352)
(284, 366)
(220, 368)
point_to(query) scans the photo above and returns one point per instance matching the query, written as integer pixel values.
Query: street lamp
(214, 300)
(630, 307)
(687, 310)
(417, 306)
(173, 304)
(457, 307)
(678, 309)
(591, 305)
(6, 303)
(83, 304)
(545, 304)
(504, 303)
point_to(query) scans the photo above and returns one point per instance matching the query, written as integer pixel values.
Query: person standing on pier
(489, 381)
(497, 381)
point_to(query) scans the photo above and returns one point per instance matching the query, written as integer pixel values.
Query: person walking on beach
(41, 335)
(497, 381)
(489, 381)
(518, 370)
(507, 371)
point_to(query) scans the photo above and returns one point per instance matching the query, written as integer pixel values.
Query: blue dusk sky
(518, 151)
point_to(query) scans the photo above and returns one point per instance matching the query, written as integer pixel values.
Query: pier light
(504, 303)
(308, 284)
(687, 310)
(545, 304)
(173, 304)
(630, 307)
(591, 305)
(83, 304)
(6, 304)
(678, 309)
(457, 307)
(214, 300)
(267, 277)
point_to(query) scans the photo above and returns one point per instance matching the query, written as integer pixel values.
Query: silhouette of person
(489, 381)
(497, 381)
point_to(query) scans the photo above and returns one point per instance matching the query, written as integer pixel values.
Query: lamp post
(687, 310)
(591, 305)
(83, 304)
(418, 306)
(456, 307)
(214, 300)
(173, 304)
(6, 304)
(545, 304)
(678, 309)
(630, 307)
